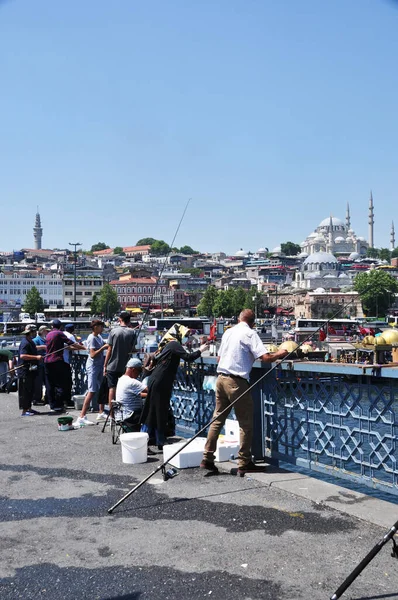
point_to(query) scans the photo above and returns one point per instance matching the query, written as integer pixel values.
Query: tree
(106, 302)
(239, 300)
(99, 246)
(385, 254)
(188, 250)
(372, 253)
(34, 303)
(394, 253)
(290, 249)
(146, 241)
(159, 248)
(375, 288)
(94, 304)
(205, 306)
(119, 250)
(223, 306)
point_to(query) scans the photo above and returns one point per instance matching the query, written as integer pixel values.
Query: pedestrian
(27, 371)
(121, 343)
(95, 372)
(40, 341)
(240, 347)
(70, 334)
(6, 366)
(130, 393)
(160, 384)
(56, 369)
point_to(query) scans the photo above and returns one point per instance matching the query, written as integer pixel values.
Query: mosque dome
(335, 222)
(320, 239)
(339, 240)
(313, 235)
(262, 250)
(320, 258)
(241, 253)
(320, 290)
(302, 244)
(302, 255)
(349, 239)
(277, 250)
(361, 239)
(353, 256)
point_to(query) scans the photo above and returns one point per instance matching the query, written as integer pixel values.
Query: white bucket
(134, 447)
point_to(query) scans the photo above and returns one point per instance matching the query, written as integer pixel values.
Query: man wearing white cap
(130, 391)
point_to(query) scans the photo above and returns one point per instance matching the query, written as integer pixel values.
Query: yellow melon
(380, 340)
(271, 348)
(368, 340)
(305, 348)
(390, 335)
(290, 346)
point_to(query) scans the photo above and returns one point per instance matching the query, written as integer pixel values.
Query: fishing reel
(170, 473)
(394, 551)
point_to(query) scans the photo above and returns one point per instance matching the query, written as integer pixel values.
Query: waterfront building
(139, 292)
(15, 284)
(321, 269)
(89, 281)
(322, 304)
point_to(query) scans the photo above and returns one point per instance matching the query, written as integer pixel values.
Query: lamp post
(74, 278)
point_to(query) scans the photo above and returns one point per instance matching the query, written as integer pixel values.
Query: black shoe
(251, 468)
(209, 466)
(151, 452)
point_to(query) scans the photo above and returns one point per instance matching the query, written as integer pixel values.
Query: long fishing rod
(43, 355)
(162, 269)
(161, 467)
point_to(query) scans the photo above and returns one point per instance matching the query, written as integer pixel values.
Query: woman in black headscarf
(160, 384)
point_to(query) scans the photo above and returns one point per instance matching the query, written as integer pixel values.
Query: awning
(134, 310)
(170, 311)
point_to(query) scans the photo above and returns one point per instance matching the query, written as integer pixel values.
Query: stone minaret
(392, 237)
(348, 218)
(37, 231)
(371, 221)
(330, 246)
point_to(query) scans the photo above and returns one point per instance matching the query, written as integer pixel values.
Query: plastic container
(78, 401)
(191, 456)
(65, 423)
(134, 447)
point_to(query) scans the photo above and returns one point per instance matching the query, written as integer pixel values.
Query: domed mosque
(336, 237)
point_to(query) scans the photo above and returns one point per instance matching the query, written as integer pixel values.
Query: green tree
(376, 289)
(34, 303)
(146, 241)
(119, 250)
(205, 306)
(107, 303)
(394, 253)
(223, 306)
(99, 246)
(160, 248)
(239, 300)
(372, 252)
(290, 249)
(188, 250)
(94, 304)
(385, 254)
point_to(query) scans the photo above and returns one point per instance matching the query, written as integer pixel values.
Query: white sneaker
(82, 422)
(101, 417)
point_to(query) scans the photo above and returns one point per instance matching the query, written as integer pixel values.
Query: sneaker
(208, 465)
(102, 417)
(82, 422)
(251, 468)
(28, 413)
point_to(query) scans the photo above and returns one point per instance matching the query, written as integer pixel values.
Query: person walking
(27, 371)
(240, 347)
(121, 343)
(95, 372)
(40, 341)
(56, 369)
(160, 384)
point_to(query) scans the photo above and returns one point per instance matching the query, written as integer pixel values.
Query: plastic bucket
(65, 423)
(134, 447)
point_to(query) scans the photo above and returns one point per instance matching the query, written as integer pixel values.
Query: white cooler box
(192, 455)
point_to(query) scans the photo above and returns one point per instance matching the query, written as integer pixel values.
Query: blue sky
(270, 114)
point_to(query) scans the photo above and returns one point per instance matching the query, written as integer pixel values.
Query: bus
(196, 324)
(335, 327)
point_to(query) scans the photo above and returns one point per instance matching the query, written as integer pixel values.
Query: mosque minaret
(37, 231)
(347, 217)
(371, 221)
(392, 236)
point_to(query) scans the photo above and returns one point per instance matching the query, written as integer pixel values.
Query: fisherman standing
(240, 347)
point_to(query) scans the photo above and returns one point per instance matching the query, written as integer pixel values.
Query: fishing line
(228, 408)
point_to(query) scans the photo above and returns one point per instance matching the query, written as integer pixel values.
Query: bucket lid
(64, 420)
(138, 435)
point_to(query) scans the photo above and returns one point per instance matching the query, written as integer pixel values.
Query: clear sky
(270, 114)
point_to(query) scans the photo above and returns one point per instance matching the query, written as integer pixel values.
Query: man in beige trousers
(240, 347)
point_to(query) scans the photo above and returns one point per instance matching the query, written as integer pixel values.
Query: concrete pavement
(277, 536)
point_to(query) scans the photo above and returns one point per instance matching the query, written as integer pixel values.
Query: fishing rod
(43, 355)
(162, 466)
(162, 269)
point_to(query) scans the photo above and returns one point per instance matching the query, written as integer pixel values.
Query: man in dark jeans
(27, 371)
(56, 369)
(121, 343)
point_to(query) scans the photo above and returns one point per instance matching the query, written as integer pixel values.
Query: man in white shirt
(240, 347)
(130, 391)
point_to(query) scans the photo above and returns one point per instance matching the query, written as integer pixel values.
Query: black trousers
(26, 384)
(39, 382)
(57, 374)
